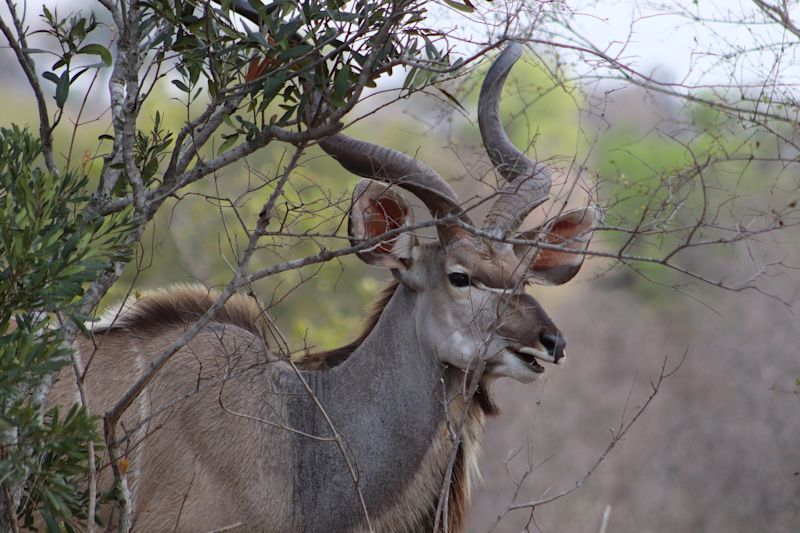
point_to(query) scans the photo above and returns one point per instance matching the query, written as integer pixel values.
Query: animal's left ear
(376, 210)
(572, 230)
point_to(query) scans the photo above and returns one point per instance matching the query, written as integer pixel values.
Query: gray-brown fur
(196, 460)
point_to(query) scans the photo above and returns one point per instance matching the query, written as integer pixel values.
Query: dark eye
(458, 279)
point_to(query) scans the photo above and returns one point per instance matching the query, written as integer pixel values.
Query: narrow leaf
(460, 7)
(297, 51)
(180, 85)
(62, 89)
(258, 38)
(229, 142)
(341, 83)
(272, 87)
(451, 98)
(98, 50)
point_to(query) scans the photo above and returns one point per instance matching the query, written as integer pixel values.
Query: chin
(516, 366)
(523, 375)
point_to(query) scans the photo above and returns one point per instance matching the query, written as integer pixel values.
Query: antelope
(228, 434)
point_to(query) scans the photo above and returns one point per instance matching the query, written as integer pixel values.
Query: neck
(386, 402)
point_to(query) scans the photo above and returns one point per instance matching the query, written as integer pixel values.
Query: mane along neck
(181, 304)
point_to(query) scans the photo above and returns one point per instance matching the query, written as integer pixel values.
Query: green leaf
(62, 89)
(451, 98)
(79, 30)
(341, 16)
(272, 87)
(460, 7)
(180, 85)
(78, 75)
(409, 78)
(341, 83)
(98, 50)
(229, 142)
(52, 525)
(288, 29)
(257, 37)
(50, 76)
(297, 51)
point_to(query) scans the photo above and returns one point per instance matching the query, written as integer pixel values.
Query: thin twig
(616, 438)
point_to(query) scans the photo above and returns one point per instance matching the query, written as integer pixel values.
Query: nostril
(554, 344)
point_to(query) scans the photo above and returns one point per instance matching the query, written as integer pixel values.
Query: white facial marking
(538, 354)
(463, 345)
(483, 287)
(514, 367)
(458, 268)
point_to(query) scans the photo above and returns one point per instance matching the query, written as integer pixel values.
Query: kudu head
(469, 289)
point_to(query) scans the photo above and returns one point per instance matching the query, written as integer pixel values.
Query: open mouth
(532, 356)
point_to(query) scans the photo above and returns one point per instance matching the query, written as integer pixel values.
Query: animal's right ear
(571, 230)
(377, 209)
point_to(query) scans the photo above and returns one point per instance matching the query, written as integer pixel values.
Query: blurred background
(718, 449)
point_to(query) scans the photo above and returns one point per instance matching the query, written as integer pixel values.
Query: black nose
(554, 344)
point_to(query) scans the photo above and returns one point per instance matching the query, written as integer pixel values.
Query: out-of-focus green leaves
(72, 33)
(61, 466)
(659, 185)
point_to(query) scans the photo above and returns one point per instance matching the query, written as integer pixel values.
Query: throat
(443, 466)
(385, 393)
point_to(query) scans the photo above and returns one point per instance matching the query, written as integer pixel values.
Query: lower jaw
(530, 362)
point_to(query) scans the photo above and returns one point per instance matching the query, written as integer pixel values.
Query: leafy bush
(48, 252)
